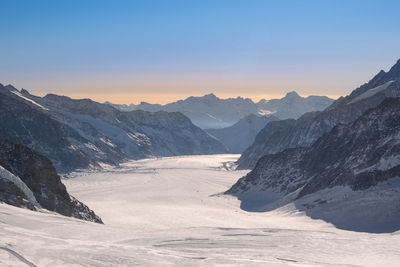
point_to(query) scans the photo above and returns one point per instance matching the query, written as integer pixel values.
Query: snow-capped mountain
(83, 133)
(303, 132)
(292, 106)
(345, 173)
(29, 180)
(241, 135)
(211, 112)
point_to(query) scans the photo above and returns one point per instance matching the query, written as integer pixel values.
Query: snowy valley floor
(167, 212)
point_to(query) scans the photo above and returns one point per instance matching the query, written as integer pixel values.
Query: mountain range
(303, 132)
(82, 133)
(211, 112)
(341, 165)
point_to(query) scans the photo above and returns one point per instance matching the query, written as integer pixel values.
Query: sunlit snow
(168, 212)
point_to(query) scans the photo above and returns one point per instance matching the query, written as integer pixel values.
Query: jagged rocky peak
(25, 92)
(379, 79)
(39, 175)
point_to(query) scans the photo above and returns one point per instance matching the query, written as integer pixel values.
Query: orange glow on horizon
(159, 98)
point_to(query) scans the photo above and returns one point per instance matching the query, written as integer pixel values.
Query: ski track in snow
(18, 256)
(167, 212)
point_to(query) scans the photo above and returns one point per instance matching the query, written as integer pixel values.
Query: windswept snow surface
(167, 212)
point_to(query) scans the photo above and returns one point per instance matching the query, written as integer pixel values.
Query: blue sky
(128, 51)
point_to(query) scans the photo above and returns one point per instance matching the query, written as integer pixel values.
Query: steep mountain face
(11, 194)
(42, 181)
(26, 123)
(360, 156)
(309, 127)
(292, 106)
(83, 133)
(211, 112)
(241, 135)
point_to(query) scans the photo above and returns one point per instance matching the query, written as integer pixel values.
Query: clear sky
(158, 51)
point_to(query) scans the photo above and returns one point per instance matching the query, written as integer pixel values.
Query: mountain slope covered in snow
(363, 156)
(304, 131)
(83, 133)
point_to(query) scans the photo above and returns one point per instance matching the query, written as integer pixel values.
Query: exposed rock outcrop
(39, 175)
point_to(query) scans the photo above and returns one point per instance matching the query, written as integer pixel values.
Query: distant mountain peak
(210, 96)
(292, 94)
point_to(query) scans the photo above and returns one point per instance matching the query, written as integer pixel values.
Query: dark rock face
(26, 124)
(241, 135)
(358, 155)
(41, 177)
(308, 128)
(12, 195)
(85, 134)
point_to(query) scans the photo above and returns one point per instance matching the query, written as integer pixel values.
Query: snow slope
(167, 212)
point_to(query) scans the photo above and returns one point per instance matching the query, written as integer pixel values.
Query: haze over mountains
(211, 112)
(241, 135)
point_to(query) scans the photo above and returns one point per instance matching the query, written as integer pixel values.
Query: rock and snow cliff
(30, 180)
(357, 163)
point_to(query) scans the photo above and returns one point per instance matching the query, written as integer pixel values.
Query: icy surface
(167, 212)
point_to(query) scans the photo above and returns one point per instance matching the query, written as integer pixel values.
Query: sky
(161, 51)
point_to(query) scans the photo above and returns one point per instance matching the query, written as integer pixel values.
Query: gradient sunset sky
(159, 51)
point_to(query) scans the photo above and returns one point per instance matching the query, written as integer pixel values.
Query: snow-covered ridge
(28, 99)
(4, 174)
(371, 92)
